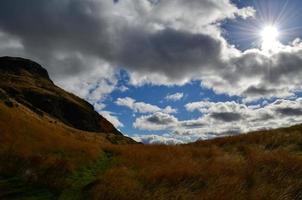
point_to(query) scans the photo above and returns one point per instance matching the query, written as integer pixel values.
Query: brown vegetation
(30, 143)
(260, 165)
(263, 165)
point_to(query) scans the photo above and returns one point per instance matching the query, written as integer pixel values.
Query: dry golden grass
(263, 165)
(41, 147)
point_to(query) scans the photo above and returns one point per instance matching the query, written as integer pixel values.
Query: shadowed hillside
(52, 153)
(29, 84)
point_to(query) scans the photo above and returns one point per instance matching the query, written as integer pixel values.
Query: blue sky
(168, 71)
(286, 11)
(156, 95)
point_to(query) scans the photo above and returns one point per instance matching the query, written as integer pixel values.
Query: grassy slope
(41, 159)
(261, 165)
(41, 151)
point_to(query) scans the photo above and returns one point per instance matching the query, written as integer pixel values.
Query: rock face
(29, 84)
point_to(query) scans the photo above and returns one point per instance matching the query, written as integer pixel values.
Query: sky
(168, 71)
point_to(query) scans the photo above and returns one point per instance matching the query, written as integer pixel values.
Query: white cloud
(99, 106)
(110, 116)
(170, 139)
(234, 117)
(142, 107)
(127, 101)
(123, 88)
(156, 139)
(225, 118)
(9, 43)
(169, 109)
(174, 97)
(113, 119)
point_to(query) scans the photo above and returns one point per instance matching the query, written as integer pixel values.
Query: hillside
(262, 165)
(46, 133)
(28, 83)
(265, 165)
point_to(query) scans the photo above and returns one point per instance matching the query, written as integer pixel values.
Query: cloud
(244, 118)
(224, 118)
(169, 139)
(142, 107)
(255, 75)
(113, 119)
(110, 116)
(128, 102)
(290, 111)
(159, 42)
(157, 139)
(94, 84)
(174, 97)
(123, 88)
(155, 121)
(10, 44)
(139, 35)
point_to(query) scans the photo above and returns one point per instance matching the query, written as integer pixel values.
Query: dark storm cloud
(226, 116)
(57, 27)
(262, 117)
(176, 52)
(160, 119)
(51, 28)
(290, 111)
(137, 35)
(258, 91)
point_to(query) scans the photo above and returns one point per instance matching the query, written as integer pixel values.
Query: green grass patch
(84, 176)
(14, 188)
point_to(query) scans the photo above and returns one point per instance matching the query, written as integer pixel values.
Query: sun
(269, 36)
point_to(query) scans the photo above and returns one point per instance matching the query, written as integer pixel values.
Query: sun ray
(269, 35)
(248, 33)
(283, 11)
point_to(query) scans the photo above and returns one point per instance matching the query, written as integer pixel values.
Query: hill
(264, 165)
(28, 84)
(46, 133)
(48, 154)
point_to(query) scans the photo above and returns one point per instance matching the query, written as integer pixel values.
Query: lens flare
(269, 35)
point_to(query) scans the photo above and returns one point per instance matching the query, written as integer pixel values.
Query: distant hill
(28, 84)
